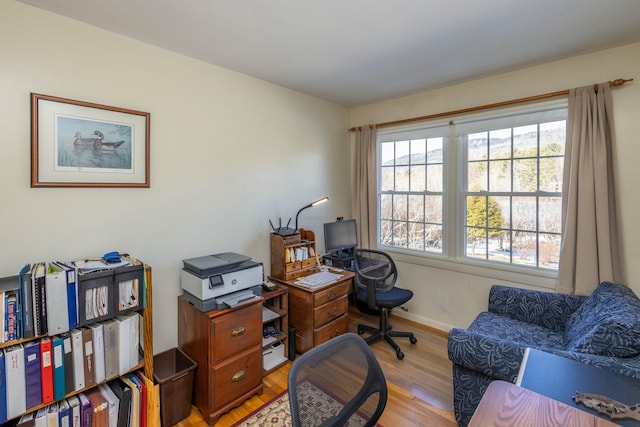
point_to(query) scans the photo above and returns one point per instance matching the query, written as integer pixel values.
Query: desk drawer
(331, 310)
(331, 330)
(331, 294)
(233, 378)
(235, 332)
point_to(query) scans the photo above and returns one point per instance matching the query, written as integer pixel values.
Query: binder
(27, 420)
(97, 330)
(64, 413)
(11, 313)
(26, 303)
(72, 293)
(86, 411)
(52, 415)
(114, 404)
(14, 368)
(123, 393)
(74, 409)
(56, 299)
(143, 397)
(100, 408)
(124, 343)
(46, 370)
(111, 348)
(40, 419)
(134, 341)
(88, 362)
(69, 382)
(134, 418)
(33, 377)
(78, 359)
(59, 380)
(3, 388)
(39, 298)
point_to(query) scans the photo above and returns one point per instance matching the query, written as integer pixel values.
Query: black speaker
(292, 343)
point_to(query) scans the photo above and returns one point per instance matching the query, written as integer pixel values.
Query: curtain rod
(616, 82)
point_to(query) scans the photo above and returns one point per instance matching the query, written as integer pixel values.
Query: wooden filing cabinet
(227, 344)
(318, 314)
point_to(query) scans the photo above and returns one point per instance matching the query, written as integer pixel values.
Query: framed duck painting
(82, 144)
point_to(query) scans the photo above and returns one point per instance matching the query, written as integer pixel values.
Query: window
(482, 190)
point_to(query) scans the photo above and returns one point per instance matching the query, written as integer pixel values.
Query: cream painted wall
(445, 296)
(228, 153)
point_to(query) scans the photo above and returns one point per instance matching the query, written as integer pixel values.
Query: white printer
(221, 280)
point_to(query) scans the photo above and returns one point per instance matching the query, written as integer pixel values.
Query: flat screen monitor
(340, 237)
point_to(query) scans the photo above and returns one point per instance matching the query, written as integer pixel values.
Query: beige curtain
(363, 199)
(590, 242)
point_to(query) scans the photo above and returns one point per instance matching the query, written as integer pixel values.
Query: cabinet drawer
(331, 330)
(292, 266)
(232, 378)
(331, 294)
(331, 310)
(235, 332)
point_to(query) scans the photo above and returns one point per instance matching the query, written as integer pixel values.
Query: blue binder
(3, 389)
(33, 377)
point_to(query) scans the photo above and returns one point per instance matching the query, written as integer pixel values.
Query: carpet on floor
(276, 413)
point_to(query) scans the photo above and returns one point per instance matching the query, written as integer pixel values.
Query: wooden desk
(318, 314)
(506, 404)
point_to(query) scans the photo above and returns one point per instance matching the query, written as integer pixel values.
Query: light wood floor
(420, 386)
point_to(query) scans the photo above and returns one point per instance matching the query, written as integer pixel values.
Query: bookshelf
(144, 364)
(275, 313)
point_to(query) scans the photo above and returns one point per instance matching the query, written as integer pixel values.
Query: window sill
(526, 276)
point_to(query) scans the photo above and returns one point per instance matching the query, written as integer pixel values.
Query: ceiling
(354, 52)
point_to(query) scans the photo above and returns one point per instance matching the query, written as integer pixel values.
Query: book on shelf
(136, 402)
(69, 382)
(72, 293)
(3, 388)
(39, 298)
(46, 369)
(97, 329)
(64, 413)
(59, 380)
(10, 317)
(26, 302)
(100, 408)
(86, 411)
(78, 359)
(88, 360)
(123, 393)
(40, 418)
(56, 296)
(74, 406)
(111, 348)
(32, 374)
(113, 401)
(52, 415)
(27, 420)
(16, 389)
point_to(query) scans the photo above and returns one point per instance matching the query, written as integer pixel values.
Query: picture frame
(83, 144)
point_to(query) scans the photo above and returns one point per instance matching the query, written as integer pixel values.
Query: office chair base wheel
(413, 340)
(399, 354)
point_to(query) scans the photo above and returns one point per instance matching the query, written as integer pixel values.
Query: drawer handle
(332, 294)
(333, 312)
(237, 377)
(237, 332)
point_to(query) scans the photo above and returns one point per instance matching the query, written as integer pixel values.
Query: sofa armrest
(546, 309)
(493, 357)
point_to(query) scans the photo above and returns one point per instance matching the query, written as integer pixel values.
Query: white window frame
(454, 158)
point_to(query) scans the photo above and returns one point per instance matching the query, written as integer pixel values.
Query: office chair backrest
(337, 383)
(375, 272)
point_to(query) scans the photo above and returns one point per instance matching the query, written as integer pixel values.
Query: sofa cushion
(607, 323)
(526, 334)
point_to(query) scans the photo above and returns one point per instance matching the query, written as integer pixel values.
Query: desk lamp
(317, 202)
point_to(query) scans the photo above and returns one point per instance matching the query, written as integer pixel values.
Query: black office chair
(337, 383)
(375, 280)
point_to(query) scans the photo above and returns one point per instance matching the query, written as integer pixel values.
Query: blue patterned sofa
(602, 329)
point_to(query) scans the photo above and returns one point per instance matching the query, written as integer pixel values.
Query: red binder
(46, 369)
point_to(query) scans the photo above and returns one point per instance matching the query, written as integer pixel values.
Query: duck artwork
(96, 141)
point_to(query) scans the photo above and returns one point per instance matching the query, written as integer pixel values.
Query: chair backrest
(335, 383)
(375, 272)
